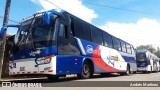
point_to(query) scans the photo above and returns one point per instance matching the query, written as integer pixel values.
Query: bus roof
(62, 12)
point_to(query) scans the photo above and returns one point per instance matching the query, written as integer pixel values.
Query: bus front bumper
(141, 68)
(29, 66)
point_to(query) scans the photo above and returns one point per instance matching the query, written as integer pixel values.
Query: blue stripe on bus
(29, 53)
(69, 64)
(129, 59)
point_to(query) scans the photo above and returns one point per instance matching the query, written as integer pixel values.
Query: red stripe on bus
(18, 72)
(35, 72)
(41, 71)
(50, 70)
(23, 72)
(101, 64)
(28, 72)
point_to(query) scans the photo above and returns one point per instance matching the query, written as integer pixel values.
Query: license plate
(22, 68)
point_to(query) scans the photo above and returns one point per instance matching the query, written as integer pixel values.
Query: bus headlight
(44, 60)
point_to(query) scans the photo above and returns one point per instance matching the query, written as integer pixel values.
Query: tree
(158, 52)
(147, 47)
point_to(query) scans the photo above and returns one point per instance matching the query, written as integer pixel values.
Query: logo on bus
(89, 49)
(34, 53)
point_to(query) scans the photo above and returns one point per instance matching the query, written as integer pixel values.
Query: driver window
(63, 31)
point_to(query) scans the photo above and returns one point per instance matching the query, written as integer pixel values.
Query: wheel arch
(90, 61)
(128, 67)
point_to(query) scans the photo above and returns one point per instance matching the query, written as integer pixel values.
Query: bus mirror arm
(4, 28)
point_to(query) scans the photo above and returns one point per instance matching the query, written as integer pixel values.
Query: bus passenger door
(66, 49)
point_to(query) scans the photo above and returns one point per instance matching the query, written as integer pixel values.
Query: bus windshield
(141, 57)
(22, 32)
(35, 34)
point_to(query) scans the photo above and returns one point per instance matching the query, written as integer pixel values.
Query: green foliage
(158, 52)
(150, 48)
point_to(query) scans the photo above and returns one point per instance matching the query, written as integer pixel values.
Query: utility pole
(2, 47)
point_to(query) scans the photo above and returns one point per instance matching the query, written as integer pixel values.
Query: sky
(134, 21)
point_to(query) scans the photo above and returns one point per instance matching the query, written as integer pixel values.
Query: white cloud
(144, 31)
(73, 6)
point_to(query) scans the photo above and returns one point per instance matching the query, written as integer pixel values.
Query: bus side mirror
(46, 18)
(3, 29)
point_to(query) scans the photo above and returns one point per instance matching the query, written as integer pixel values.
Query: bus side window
(116, 43)
(96, 35)
(123, 45)
(107, 40)
(80, 29)
(63, 31)
(128, 49)
(132, 48)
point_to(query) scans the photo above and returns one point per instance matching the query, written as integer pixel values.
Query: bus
(56, 43)
(159, 63)
(146, 61)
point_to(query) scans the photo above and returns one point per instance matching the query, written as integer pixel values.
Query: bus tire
(134, 72)
(86, 71)
(151, 70)
(157, 69)
(147, 72)
(128, 71)
(52, 77)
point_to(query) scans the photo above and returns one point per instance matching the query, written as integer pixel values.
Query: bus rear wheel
(86, 71)
(128, 71)
(157, 69)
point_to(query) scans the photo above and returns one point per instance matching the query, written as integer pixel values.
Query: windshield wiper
(30, 32)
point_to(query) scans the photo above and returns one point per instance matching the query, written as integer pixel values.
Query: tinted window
(21, 35)
(96, 35)
(41, 31)
(116, 44)
(62, 31)
(128, 48)
(81, 29)
(140, 56)
(123, 45)
(107, 40)
(132, 48)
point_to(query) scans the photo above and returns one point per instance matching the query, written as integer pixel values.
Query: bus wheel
(128, 72)
(52, 77)
(157, 69)
(151, 70)
(134, 72)
(86, 71)
(147, 72)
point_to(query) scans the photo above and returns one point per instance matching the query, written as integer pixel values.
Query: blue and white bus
(146, 61)
(159, 63)
(57, 43)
